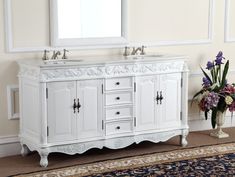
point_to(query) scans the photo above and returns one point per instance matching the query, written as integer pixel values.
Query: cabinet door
(90, 98)
(170, 107)
(61, 116)
(145, 103)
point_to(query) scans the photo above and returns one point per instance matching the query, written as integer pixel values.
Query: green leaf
(206, 115)
(225, 74)
(206, 75)
(198, 93)
(213, 118)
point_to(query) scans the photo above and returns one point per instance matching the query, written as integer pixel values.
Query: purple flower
(218, 61)
(209, 65)
(219, 58)
(206, 82)
(232, 107)
(220, 55)
(211, 100)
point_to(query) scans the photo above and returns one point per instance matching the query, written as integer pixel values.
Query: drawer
(118, 127)
(119, 98)
(118, 83)
(115, 113)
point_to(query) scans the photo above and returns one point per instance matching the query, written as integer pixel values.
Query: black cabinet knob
(118, 127)
(117, 98)
(117, 113)
(117, 83)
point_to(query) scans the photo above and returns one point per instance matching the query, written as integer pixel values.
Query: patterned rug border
(136, 161)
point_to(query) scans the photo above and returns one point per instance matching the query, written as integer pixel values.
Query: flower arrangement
(216, 93)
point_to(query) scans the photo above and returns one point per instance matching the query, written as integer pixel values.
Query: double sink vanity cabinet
(71, 106)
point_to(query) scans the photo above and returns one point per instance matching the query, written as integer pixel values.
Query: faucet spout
(55, 55)
(134, 51)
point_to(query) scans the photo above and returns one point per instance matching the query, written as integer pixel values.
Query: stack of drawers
(119, 95)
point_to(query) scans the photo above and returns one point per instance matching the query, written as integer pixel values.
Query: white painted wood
(97, 123)
(168, 110)
(61, 116)
(84, 42)
(90, 116)
(30, 110)
(227, 35)
(123, 42)
(118, 83)
(11, 89)
(118, 98)
(118, 113)
(119, 127)
(145, 103)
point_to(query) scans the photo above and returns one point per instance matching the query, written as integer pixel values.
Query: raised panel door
(145, 103)
(90, 98)
(61, 116)
(170, 106)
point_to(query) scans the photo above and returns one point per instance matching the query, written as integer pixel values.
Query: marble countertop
(99, 60)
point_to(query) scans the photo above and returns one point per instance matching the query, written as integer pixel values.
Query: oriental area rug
(214, 160)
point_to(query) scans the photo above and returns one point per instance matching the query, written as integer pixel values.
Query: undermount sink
(138, 57)
(64, 61)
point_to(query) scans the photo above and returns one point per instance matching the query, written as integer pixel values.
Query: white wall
(157, 22)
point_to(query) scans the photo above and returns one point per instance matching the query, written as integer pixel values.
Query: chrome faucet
(142, 50)
(45, 57)
(55, 55)
(64, 55)
(126, 52)
(134, 51)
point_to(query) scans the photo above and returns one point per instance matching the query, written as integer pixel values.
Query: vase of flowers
(216, 95)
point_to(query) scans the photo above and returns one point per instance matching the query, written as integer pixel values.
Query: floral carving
(109, 70)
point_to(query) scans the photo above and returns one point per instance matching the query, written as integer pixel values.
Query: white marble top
(97, 60)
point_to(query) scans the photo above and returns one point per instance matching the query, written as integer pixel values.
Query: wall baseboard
(10, 145)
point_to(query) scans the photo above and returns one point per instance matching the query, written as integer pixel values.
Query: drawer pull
(117, 113)
(117, 98)
(117, 83)
(118, 127)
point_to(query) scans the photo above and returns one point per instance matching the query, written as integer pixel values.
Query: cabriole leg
(24, 150)
(44, 158)
(183, 140)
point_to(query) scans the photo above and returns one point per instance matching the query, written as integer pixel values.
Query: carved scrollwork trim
(77, 148)
(29, 72)
(116, 70)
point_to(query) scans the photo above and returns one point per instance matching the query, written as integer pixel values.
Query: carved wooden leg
(183, 140)
(44, 158)
(24, 150)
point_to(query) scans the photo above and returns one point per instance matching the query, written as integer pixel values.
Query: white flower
(228, 100)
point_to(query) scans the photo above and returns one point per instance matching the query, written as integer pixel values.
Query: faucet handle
(126, 52)
(142, 50)
(133, 51)
(64, 55)
(45, 57)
